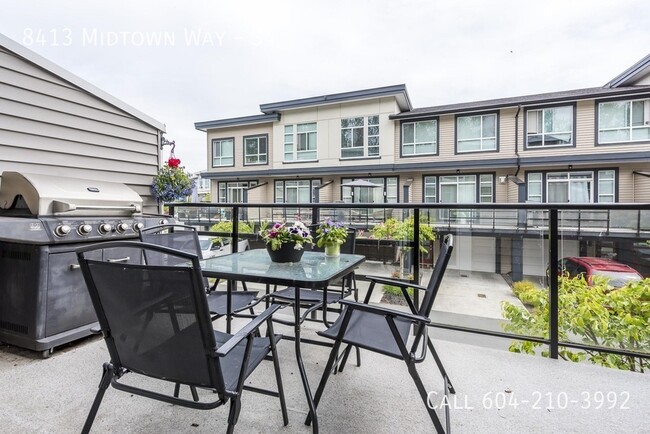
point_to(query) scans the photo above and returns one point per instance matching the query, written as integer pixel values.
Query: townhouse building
(579, 146)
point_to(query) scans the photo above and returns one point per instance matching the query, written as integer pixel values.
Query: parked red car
(617, 273)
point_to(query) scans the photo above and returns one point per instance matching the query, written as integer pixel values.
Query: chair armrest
(392, 282)
(246, 330)
(379, 310)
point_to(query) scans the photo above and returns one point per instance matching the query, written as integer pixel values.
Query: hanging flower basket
(172, 182)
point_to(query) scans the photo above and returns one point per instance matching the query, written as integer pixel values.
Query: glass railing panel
(626, 220)
(604, 294)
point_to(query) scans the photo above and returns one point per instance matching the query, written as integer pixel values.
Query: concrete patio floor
(54, 395)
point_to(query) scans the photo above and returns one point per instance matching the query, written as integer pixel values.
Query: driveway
(469, 293)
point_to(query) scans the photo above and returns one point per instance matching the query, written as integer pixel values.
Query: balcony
(497, 390)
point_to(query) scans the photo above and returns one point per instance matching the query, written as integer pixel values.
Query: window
(420, 138)
(430, 195)
(624, 121)
(549, 127)
(386, 191)
(476, 133)
(459, 189)
(360, 137)
(535, 187)
(223, 152)
(255, 150)
(572, 187)
(204, 183)
(300, 142)
(606, 184)
(295, 191)
(233, 192)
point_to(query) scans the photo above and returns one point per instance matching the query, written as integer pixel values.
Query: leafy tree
(404, 230)
(596, 314)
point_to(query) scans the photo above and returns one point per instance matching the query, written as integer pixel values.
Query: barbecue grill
(44, 302)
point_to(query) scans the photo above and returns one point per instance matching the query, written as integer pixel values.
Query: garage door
(536, 254)
(473, 254)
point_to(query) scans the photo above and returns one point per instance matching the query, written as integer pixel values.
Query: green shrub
(522, 286)
(225, 226)
(397, 291)
(533, 297)
(600, 316)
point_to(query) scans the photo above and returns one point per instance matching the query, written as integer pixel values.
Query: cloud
(229, 57)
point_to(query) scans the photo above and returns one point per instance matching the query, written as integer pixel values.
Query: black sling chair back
(156, 323)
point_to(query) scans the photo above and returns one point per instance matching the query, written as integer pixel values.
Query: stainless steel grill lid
(59, 195)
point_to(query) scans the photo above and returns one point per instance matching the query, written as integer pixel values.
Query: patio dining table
(314, 271)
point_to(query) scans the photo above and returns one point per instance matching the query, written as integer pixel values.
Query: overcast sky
(186, 61)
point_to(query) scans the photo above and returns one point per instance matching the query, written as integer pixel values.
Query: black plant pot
(286, 253)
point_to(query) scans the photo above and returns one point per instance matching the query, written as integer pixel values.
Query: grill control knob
(104, 228)
(164, 221)
(84, 229)
(122, 227)
(137, 226)
(62, 230)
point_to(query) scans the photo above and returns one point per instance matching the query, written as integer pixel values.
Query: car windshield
(617, 278)
(205, 244)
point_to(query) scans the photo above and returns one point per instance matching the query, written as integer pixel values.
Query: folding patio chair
(386, 331)
(156, 323)
(185, 238)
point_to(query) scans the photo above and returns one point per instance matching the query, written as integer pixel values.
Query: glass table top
(314, 269)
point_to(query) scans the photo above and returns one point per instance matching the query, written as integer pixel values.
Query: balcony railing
(515, 241)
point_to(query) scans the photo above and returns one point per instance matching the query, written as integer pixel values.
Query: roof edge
(398, 90)
(525, 100)
(243, 120)
(68, 76)
(629, 73)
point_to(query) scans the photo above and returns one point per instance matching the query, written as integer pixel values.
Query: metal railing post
(553, 280)
(234, 242)
(416, 253)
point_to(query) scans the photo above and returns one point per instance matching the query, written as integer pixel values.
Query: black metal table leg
(301, 366)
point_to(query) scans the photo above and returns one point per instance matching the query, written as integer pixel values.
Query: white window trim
(313, 183)
(220, 158)
(479, 178)
(366, 136)
(294, 143)
(258, 154)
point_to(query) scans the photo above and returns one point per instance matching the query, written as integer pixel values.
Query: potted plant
(331, 235)
(172, 182)
(285, 243)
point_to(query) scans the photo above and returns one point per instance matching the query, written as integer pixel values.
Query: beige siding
(634, 188)
(328, 120)
(447, 141)
(585, 124)
(50, 126)
(507, 133)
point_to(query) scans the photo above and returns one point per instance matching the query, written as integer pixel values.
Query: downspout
(517, 138)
